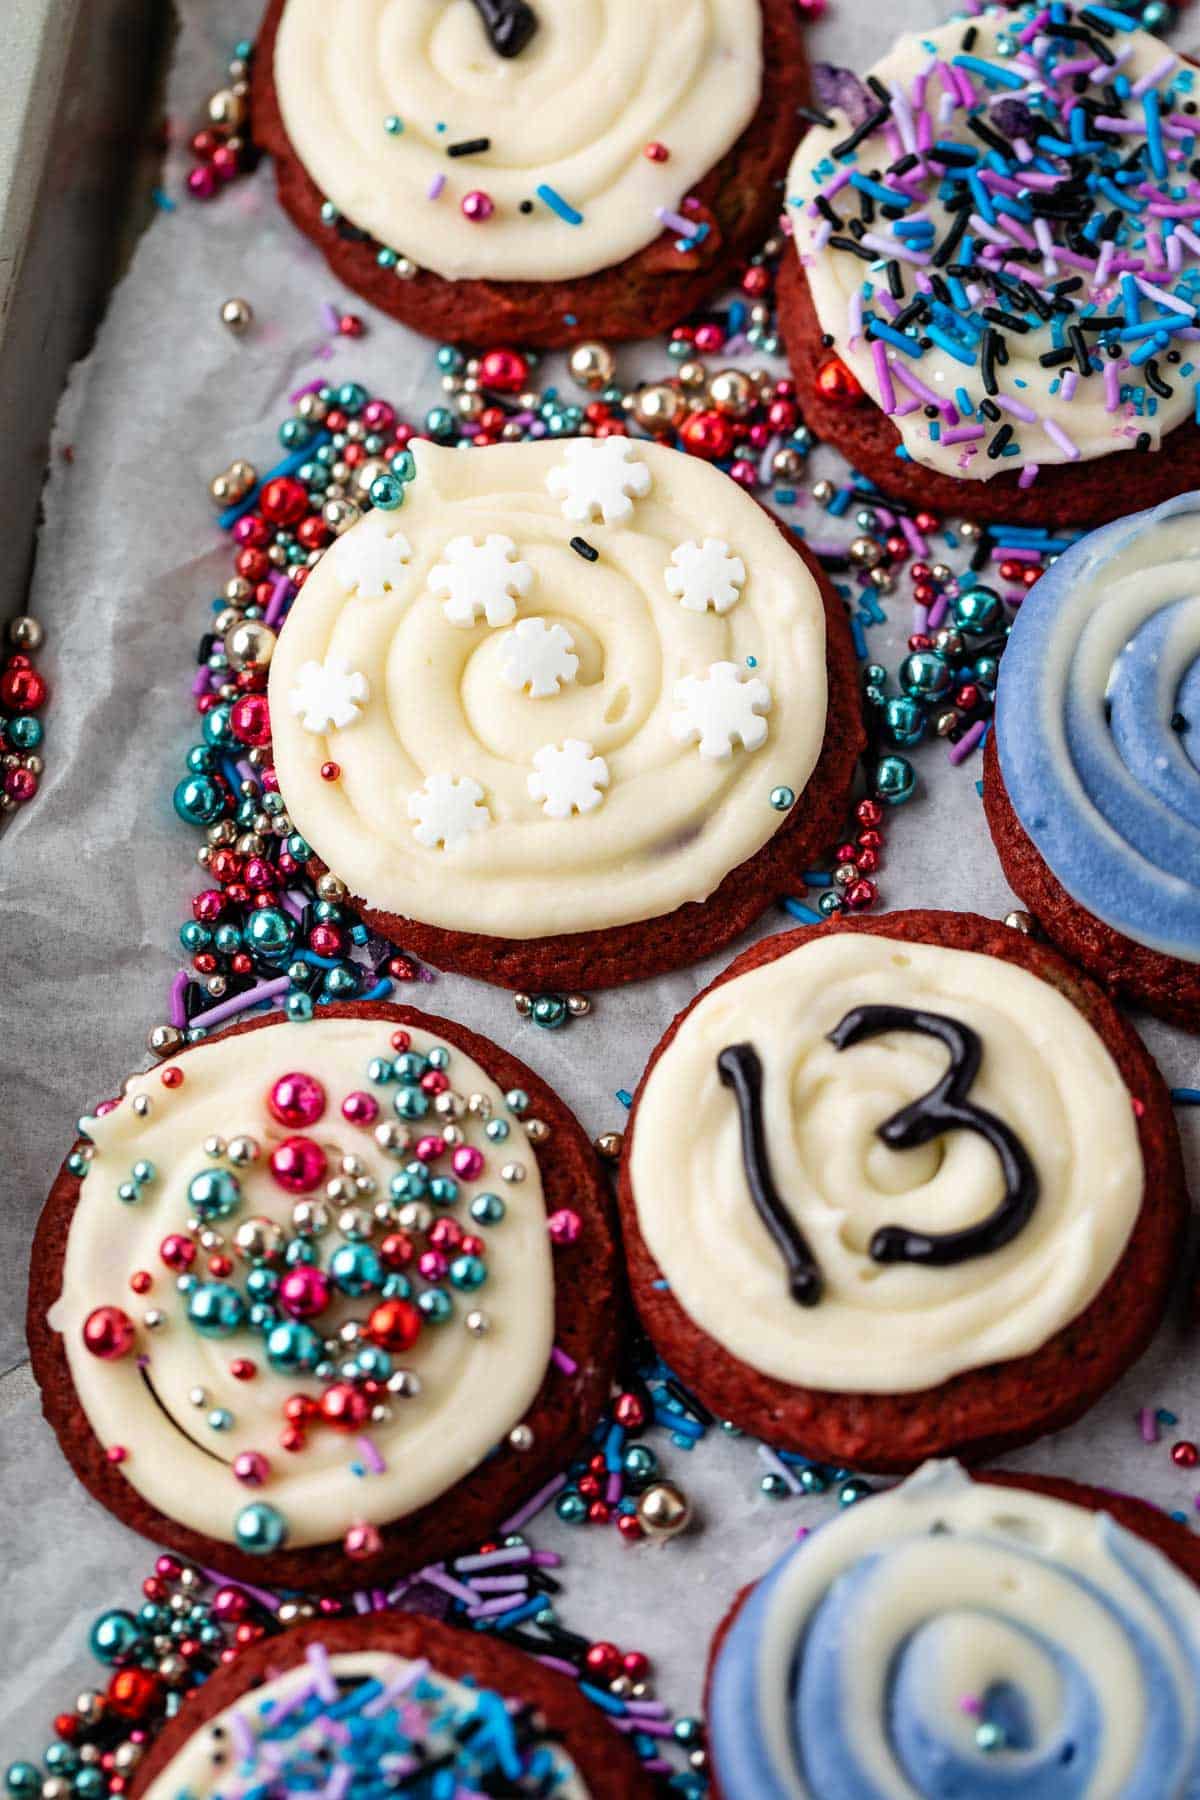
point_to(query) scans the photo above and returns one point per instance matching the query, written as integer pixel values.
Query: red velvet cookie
(1092, 774)
(601, 182)
(315, 1275)
(1029, 1566)
(438, 1701)
(581, 754)
(982, 326)
(858, 1170)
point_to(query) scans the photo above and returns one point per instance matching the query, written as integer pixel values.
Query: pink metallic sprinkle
(435, 187)
(1148, 1424)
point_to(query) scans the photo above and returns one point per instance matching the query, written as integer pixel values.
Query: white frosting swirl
(473, 1389)
(574, 113)
(576, 797)
(884, 1328)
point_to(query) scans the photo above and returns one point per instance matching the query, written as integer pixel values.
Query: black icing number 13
(943, 1108)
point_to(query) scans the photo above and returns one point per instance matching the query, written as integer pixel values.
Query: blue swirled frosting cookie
(962, 1638)
(1093, 782)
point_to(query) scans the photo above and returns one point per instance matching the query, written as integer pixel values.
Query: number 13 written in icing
(943, 1108)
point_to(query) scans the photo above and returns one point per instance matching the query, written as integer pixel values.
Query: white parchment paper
(95, 876)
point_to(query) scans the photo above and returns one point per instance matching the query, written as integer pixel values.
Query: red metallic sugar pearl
(598, 1513)
(172, 1078)
(351, 325)
(20, 785)
(134, 1693)
(251, 564)
(1184, 1454)
(109, 1333)
(635, 1664)
(345, 1407)
(629, 1412)
(445, 1234)
(177, 1251)
(860, 894)
(868, 861)
(708, 434)
(401, 1040)
(299, 1165)
(283, 500)
(204, 143)
(604, 1660)
(564, 1226)
(505, 370)
(377, 415)
(22, 689)
(396, 1249)
(708, 339)
(296, 1099)
(756, 280)
(226, 162)
(628, 1527)
(394, 1325)
(656, 152)
(837, 383)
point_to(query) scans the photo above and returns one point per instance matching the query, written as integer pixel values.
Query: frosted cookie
(308, 1306)
(391, 1703)
(1092, 775)
(1011, 1634)
(576, 714)
(991, 307)
(540, 173)
(899, 1187)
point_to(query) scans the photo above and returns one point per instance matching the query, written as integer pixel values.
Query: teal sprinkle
(625, 1097)
(553, 199)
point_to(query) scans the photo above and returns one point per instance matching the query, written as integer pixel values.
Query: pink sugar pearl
(296, 1100)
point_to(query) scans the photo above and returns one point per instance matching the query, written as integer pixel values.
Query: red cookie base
(1083, 493)
(1146, 1521)
(649, 947)
(1128, 971)
(587, 1308)
(609, 1766)
(982, 1412)
(740, 199)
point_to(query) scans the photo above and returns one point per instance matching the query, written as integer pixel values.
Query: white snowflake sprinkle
(480, 579)
(569, 778)
(447, 811)
(706, 575)
(328, 695)
(598, 479)
(371, 561)
(538, 656)
(719, 709)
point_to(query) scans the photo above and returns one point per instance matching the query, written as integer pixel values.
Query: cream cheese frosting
(1033, 176)
(377, 94)
(884, 1327)
(281, 1732)
(559, 688)
(175, 1407)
